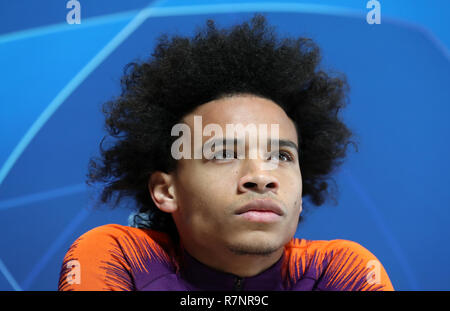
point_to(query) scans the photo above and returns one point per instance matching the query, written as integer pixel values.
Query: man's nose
(258, 181)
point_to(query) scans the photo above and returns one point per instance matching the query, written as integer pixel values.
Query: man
(219, 212)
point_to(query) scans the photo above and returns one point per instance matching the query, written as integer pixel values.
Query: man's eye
(224, 155)
(282, 156)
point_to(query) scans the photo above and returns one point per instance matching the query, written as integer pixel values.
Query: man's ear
(162, 190)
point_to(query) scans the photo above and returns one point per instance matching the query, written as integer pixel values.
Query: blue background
(393, 193)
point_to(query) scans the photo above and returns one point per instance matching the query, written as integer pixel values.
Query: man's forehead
(244, 110)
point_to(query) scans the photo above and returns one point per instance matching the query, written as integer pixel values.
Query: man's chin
(255, 245)
(250, 250)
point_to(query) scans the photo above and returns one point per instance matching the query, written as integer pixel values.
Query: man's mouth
(260, 210)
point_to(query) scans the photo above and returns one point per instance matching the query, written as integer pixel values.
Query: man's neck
(242, 265)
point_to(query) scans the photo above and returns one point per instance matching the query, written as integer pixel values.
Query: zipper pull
(238, 283)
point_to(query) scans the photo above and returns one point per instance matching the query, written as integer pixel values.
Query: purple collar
(201, 277)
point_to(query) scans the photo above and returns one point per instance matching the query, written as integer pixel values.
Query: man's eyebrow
(288, 143)
(222, 141)
(281, 142)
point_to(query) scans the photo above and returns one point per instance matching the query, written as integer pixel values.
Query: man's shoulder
(320, 252)
(110, 238)
(339, 264)
(116, 257)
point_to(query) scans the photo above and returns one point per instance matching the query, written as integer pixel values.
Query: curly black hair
(185, 72)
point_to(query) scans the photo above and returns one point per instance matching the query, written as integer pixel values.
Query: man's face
(210, 194)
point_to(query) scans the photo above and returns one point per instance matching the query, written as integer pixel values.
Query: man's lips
(261, 210)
